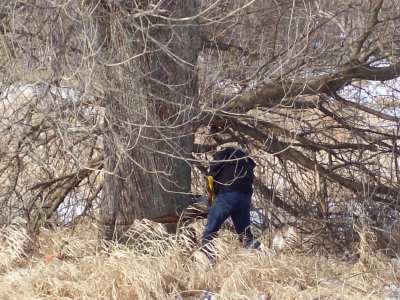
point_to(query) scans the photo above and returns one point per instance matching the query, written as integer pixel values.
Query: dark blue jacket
(232, 170)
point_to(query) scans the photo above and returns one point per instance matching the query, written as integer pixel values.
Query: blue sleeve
(217, 164)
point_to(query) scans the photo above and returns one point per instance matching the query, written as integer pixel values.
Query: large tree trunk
(148, 134)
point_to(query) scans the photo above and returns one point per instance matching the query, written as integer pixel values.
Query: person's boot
(210, 253)
(248, 241)
(206, 295)
(252, 244)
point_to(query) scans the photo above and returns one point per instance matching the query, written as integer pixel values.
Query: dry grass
(82, 268)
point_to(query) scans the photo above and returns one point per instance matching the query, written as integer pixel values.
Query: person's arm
(217, 163)
(251, 163)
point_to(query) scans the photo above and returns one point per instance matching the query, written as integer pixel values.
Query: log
(198, 209)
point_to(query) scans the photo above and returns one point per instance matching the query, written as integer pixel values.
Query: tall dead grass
(73, 264)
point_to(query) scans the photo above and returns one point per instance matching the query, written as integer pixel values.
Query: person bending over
(232, 174)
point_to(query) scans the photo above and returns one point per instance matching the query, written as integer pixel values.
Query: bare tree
(310, 88)
(152, 90)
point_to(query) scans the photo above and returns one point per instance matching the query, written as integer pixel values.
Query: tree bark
(149, 134)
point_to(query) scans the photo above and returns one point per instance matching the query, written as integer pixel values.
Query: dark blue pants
(229, 204)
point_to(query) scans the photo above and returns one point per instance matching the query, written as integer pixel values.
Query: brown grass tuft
(160, 268)
(13, 239)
